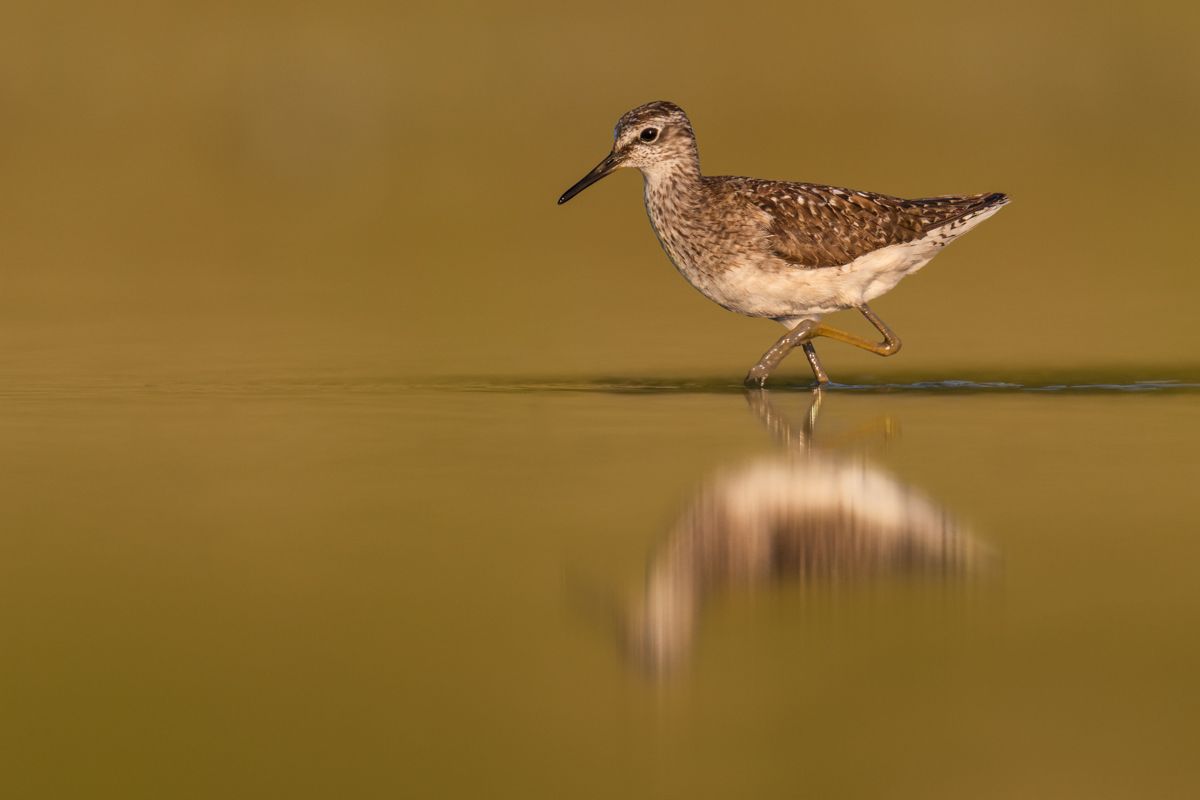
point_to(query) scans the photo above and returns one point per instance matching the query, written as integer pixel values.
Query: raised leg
(805, 332)
(888, 347)
(758, 374)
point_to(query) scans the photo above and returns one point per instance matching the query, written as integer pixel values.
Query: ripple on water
(334, 383)
(1082, 384)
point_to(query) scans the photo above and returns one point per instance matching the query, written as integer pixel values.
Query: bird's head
(655, 136)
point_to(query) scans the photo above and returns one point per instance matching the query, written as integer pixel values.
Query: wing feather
(814, 226)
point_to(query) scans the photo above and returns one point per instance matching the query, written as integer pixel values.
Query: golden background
(199, 184)
(244, 554)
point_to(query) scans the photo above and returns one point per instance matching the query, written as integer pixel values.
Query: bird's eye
(648, 134)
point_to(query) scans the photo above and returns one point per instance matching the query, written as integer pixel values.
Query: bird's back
(814, 226)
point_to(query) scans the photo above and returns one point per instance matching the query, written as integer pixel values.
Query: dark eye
(648, 134)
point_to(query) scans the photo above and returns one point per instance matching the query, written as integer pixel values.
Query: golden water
(327, 585)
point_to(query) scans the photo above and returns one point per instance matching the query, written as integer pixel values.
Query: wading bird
(791, 252)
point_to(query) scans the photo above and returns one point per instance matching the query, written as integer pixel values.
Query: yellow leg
(802, 336)
(888, 347)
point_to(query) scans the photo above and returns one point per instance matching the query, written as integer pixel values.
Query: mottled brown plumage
(826, 226)
(792, 252)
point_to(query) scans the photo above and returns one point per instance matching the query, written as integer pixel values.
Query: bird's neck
(672, 187)
(680, 173)
(674, 198)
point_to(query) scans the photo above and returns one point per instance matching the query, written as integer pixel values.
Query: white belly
(777, 292)
(790, 294)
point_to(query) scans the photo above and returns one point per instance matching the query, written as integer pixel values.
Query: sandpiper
(791, 252)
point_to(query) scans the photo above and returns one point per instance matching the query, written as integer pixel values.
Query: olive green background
(250, 548)
(204, 183)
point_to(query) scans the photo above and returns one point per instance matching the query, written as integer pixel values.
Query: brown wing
(824, 226)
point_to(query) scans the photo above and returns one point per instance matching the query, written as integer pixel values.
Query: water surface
(330, 584)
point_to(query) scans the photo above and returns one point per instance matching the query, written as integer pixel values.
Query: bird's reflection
(806, 514)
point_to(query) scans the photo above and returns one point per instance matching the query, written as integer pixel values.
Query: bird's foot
(756, 378)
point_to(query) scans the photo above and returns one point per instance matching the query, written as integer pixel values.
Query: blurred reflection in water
(808, 514)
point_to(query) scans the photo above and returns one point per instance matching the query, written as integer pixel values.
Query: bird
(788, 251)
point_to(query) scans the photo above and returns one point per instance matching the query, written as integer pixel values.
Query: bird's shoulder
(814, 225)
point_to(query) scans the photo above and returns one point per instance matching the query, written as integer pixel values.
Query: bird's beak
(603, 168)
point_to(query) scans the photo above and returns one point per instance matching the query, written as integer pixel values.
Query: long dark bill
(603, 168)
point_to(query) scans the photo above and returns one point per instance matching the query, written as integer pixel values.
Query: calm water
(321, 585)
